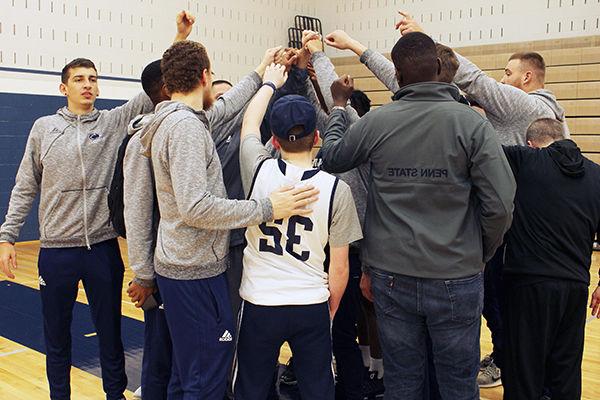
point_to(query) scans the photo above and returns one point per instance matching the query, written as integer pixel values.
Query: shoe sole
(491, 385)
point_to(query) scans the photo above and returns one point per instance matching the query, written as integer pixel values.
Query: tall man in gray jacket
(195, 218)
(69, 160)
(440, 201)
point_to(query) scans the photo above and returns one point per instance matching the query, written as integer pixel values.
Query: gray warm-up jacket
(70, 159)
(194, 255)
(510, 110)
(441, 190)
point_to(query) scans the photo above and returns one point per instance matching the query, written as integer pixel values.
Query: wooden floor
(22, 370)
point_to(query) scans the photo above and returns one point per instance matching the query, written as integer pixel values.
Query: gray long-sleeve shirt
(510, 110)
(441, 193)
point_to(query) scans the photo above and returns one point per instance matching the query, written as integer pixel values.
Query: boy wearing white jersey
(289, 295)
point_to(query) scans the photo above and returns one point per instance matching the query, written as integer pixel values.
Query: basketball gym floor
(22, 362)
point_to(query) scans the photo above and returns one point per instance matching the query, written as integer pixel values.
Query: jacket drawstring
(85, 222)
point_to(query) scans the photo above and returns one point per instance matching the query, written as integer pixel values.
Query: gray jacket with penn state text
(69, 159)
(509, 109)
(441, 190)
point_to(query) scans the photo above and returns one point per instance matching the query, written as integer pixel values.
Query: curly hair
(182, 66)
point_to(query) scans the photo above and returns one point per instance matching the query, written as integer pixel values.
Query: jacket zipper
(85, 223)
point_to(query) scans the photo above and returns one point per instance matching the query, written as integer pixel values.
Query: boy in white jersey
(288, 293)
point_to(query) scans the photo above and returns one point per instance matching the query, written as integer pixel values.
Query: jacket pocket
(466, 298)
(64, 218)
(98, 214)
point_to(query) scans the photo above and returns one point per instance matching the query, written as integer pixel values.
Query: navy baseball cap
(291, 111)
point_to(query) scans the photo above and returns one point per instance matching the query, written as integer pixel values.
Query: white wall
(463, 22)
(122, 36)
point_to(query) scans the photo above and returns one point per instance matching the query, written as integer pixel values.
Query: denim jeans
(450, 310)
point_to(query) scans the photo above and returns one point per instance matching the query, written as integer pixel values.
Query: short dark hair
(360, 102)
(152, 81)
(301, 145)
(182, 66)
(415, 58)
(449, 63)
(221, 82)
(545, 129)
(535, 60)
(76, 63)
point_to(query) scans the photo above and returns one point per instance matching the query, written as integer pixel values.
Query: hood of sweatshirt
(149, 126)
(71, 117)
(550, 100)
(138, 123)
(567, 156)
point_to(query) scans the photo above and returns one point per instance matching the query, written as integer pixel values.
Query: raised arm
(235, 99)
(344, 148)
(495, 98)
(252, 151)
(381, 67)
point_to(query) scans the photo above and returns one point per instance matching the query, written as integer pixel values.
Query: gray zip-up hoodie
(510, 110)
(69, 160)
(138, 190)
(441, 190)
(195, 214)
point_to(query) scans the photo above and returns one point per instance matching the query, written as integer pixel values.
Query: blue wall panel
(17, 114)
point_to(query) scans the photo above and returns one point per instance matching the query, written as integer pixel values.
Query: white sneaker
(138, 393)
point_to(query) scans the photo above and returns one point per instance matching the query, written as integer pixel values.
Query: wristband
(338, 108)
(271, 85)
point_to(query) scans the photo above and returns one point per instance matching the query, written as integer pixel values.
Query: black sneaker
(372, 386)
(288, 377)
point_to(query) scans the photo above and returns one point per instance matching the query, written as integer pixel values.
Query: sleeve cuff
(147, 283)
(267, 210)
(366, 56)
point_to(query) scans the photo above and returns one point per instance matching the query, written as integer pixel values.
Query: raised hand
(311, 41)
(8, 259)
(185, 22)
(288, 201)
(286, 57)
(339, 39)
(276, 74)
(268, 59)
(341, 90)
(407, 24)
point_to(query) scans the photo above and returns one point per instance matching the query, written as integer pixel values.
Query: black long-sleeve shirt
(557, 213)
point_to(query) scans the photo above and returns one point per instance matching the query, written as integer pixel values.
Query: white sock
(365, 352)
(377, 366)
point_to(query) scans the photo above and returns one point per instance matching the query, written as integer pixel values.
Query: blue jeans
(450, 311)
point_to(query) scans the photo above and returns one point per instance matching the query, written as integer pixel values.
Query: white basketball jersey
(284, 259)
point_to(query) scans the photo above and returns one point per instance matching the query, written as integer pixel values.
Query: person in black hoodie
(547, 261)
